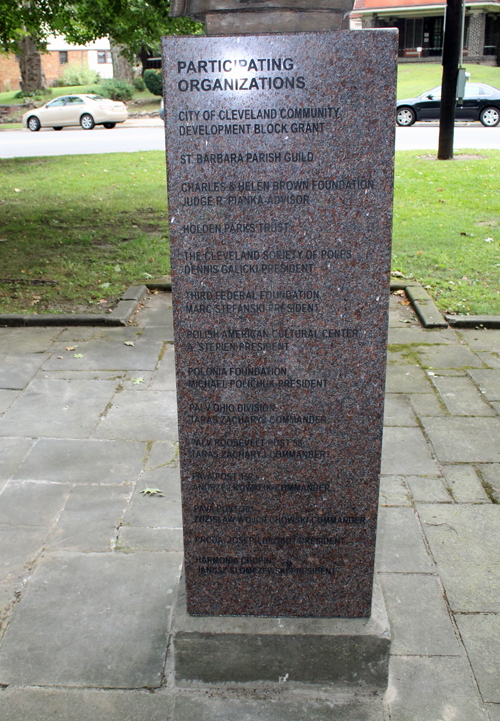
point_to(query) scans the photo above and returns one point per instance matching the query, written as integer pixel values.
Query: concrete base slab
(19, 546)
(92, 620)
(148, 416)
(464, 542)
(490, 473)
(394, 492)
(7, 398)
(424, 688)
(132, 538)
(465, 440)
(405, 452)
(106, 354)
(57, 409)
(90, 518)
(48, 704)
(416, 336)
(38, 340)
(165, 375)
(420, 622)
(398, 411)
(407, 379)
(428, 490)
(493, 711)
(400, 544)
(16, 371)
(199, 708)
(347, 653)
(464, 484)
(27, 503)
(489, 382)
(12, 453)
(455, 356)
(480, 633)
(476, 340)
(83, 461)
(461, 397)
(427, 404)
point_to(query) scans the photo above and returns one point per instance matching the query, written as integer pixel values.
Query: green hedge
(153, 81)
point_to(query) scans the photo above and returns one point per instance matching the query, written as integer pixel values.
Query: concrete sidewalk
(89, 567)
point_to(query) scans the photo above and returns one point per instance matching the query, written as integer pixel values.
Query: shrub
(116, 89)
(153, 81)
(139, 83)
(35, 95)
(79, 75)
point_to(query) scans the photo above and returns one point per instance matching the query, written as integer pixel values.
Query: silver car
(86, 110)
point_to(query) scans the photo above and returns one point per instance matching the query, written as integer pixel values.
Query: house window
(63, 57)
(104, 56)
(414, 33)
(492, 35)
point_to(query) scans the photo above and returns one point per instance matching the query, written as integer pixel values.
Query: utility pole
(451, 55)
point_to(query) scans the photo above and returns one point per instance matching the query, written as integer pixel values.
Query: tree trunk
(144, 56)
(451, 56)
(122, 69)
(30, 65)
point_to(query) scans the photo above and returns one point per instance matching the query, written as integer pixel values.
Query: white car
(85, 110)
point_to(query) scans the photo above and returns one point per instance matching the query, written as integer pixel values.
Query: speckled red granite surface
(280, 202)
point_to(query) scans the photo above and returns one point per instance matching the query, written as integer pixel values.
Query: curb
(429, 315)
(421, 301)
(473, 321)
(423, 304)
(120, 315)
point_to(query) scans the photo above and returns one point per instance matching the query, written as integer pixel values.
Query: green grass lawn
(447, 228)
(96, 224)
(93, 224)
(9, 98)
(416, 78)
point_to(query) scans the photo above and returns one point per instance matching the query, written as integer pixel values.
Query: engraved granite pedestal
(280, 169)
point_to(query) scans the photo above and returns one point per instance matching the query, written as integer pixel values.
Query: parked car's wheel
(490, 117)
(405, 117)
(109, 125)
(59, 127)
(33, 123)
(87, 121)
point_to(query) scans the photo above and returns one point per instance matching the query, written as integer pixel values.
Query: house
(96, 56)
(421, 26)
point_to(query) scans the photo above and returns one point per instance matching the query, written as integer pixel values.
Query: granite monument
(280, 175)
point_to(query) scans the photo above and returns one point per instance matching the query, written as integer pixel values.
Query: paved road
(425, 136)
(75, 141)
(147, 134)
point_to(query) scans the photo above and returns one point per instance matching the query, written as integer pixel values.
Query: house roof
(405, 5)
(57, 42)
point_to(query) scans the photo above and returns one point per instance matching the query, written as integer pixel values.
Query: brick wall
(9, 73)
(54, 69)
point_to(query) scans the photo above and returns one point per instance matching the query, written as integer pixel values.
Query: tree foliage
(153, 81)
(36, 18)
(133, 24)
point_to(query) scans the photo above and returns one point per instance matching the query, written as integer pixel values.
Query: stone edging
(473, 321)
(118, 317)
(423, 304)
(421, 301)
(429, 315)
